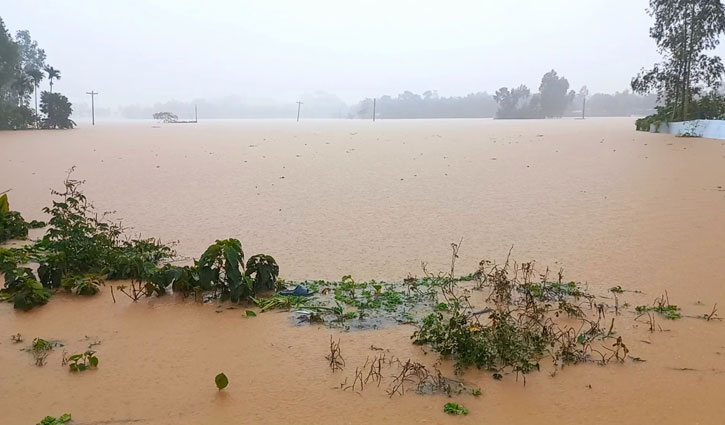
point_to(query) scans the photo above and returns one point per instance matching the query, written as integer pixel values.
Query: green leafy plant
(83, 361)
(23, 289)
(220, 270)
(50, 420)
(221, 381)
(12, 224)
(455, 409)
(79, 238)
(41, 348)
(661, 305)
(263, 270)
(88, 284)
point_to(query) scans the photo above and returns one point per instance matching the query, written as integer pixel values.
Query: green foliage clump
(81, 248)
(21, 286)
(670, 311)
(12, 224)
(661, 305)
(505, 343)
(221, 381)
(263, 271)
(88, 284)
(82, 361)
(50, 420)
(57, 110)
(455, 409)
(520, 326)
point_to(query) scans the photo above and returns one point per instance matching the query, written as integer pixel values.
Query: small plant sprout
(40, 349)
(455, 409)
(60, 420)
(221, 381)
(476, 392)
(82, 361)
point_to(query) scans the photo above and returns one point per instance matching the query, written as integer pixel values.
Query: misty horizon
(277, 53)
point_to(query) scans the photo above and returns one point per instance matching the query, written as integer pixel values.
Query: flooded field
(609, 205)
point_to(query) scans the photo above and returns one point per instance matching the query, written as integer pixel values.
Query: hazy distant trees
(515, 103)
(552, 100)
(427, 105)
(21, 71)
(166, 117)
(555, 95)
(683, 30)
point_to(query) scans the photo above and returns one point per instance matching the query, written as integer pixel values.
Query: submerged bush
(50, 420)
(521, 328)
(12, 224)
(82, 247)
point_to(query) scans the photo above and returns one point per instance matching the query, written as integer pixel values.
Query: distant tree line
(429, 105)
(22, 69)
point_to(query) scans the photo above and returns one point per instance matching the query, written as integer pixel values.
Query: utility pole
(299, 105)
(196, 116)
(584, 106)
(374, 109)
(93, 106)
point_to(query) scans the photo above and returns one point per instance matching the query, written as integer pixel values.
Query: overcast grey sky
(141, 52)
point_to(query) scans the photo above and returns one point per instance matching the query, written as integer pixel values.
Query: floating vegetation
(221, 381)
(50, 420)
(661, 305)
(12, 224)
(82, 361)
(41, 349)
(517, 327)
(455, 409)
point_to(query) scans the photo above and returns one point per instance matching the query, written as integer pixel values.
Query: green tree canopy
(684, 30)
(57, 110)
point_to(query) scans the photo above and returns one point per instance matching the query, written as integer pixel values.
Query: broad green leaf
(4, 204)
(221, 381)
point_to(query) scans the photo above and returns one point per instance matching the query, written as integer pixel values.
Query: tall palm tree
(52, 73)
(36, 76)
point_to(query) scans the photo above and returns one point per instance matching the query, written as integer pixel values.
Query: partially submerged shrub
(50, 420)
(82, 361)
(87, 284)
(661, 305)
(521, 328)
(12, 224)
(455, 409)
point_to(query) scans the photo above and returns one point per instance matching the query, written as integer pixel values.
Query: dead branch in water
(713, 314)
(337, 362)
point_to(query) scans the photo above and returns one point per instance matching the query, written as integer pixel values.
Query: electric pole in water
(374, 109)
(299, 105)
(93, 106)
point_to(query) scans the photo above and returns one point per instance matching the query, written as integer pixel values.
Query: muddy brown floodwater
(326, 198)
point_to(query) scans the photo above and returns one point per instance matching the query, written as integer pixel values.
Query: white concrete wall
(711, 129)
